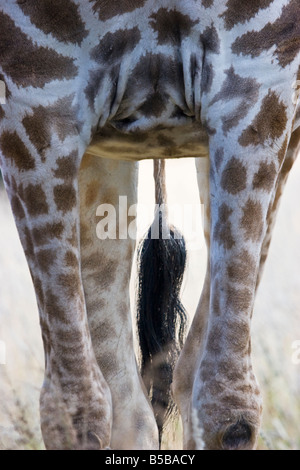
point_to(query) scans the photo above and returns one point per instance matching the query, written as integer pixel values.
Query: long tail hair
(161, 317)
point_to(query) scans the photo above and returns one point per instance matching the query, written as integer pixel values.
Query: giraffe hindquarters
(108, 188)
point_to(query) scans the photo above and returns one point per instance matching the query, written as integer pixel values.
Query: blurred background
(276, 324)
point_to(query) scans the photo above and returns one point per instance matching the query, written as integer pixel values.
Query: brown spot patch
(17, 207)
(238, 331)
(171, 26)
(240, 12)
(109, 365)
(269, 123)
(265, 177)
(156, 73)
(242, 269)
(71, 284)
(210, 39)
(103, 331)
(215, 340)
(28, 244)
(39, 65)
(59, 118)
(234, 177)
(65, 25)
(223, 228)
(13, 148)
(107, 9)
(154, 105)
(95, 306)
(52, 307)
(85, 234)
(207, 3)
(35, 200)
(252, 221)
(235, 86)
(46, 233)
(109, 196)
(91, 193)
(71, 259)
(45, 259)
(65, 197)
(231, 374)
(99, 269)
(67, 167)
(114, 46)
(284, 33)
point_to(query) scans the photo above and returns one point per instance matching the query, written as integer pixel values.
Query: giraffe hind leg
(75, 401)
(240, 198)
(108, 188)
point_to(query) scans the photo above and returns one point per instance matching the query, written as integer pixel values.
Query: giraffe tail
(161, 318)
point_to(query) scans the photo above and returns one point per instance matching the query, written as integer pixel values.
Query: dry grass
(275, 327)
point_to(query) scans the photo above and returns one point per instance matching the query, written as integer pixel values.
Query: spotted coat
(91, 88)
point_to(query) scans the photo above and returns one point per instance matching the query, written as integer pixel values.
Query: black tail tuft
(161, 317)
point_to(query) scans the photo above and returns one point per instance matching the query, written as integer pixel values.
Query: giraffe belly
(189, 140)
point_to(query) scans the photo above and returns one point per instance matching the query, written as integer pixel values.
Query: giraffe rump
(161, 317)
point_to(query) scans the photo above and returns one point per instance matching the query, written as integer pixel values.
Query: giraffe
(92, 87)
